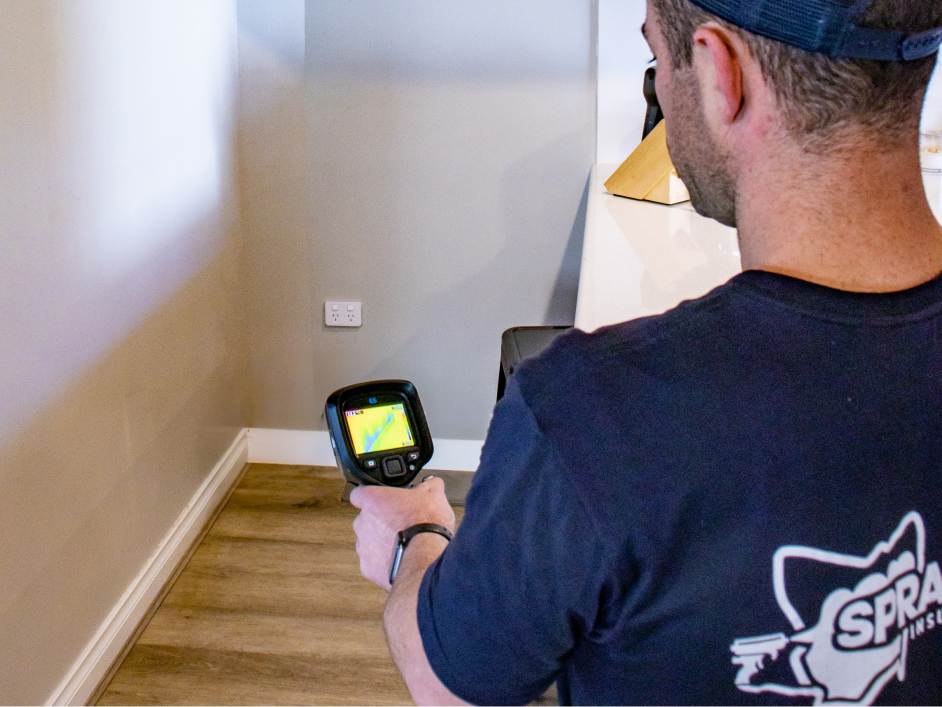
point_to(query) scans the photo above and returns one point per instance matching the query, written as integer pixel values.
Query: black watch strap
(405, 537)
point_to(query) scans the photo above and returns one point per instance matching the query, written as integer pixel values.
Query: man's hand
(384, 512)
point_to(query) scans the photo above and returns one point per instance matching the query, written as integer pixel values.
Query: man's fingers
(433, 484)
(363, 496)
(358, 524)
(356, 495)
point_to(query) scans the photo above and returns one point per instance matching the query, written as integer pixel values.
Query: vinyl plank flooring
(268, 634)
(161, 675)
(270, 609)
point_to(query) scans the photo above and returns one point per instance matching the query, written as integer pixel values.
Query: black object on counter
(654, 115)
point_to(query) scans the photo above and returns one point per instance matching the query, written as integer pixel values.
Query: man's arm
(515, 588)
(384, 512)
(402, 626)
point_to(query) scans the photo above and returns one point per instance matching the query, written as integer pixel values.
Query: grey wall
(121, 345)
(444, 163)
(273, 194)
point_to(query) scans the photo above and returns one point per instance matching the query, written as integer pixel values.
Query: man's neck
(857, 221)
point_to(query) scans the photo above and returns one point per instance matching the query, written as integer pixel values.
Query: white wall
(274, 200)
(120, 358)
(623, 58)
(449, 146)
(438, 179)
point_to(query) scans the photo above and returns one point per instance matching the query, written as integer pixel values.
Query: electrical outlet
(342, 313)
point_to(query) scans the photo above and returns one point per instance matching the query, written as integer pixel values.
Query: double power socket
(342, 313)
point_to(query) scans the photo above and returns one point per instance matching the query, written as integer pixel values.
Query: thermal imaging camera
(378, 432)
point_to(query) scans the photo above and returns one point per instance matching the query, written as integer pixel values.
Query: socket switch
(342, 313)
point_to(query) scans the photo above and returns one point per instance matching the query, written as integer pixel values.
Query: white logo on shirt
(862, 636)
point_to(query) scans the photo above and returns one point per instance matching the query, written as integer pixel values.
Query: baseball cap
(825, 27)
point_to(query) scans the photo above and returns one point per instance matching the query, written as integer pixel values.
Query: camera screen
(379, 428)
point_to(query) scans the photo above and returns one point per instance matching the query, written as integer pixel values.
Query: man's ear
(717, 58)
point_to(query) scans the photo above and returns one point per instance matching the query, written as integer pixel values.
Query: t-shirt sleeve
(519, 585)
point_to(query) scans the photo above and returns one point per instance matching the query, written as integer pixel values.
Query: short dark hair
(821, 98)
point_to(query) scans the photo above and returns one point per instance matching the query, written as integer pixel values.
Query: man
(737, 501)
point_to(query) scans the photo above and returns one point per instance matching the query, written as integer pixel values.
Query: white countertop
(641, 258)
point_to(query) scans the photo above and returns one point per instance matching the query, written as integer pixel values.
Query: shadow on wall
(272, 169)
(535, 178)
(61, 319)
(561, 309)
(92, 483)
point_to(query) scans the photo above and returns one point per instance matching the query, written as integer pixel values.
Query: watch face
(397, 557)
(380, 428)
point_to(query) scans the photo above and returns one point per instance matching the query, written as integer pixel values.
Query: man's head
(823, 104)
(820, 96)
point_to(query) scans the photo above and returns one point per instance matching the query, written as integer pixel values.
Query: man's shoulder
(581, 362)
(756, 323)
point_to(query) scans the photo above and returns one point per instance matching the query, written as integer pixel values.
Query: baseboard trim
(312, 448)
(114, 634)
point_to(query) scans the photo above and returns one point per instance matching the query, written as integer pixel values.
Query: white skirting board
(313, 449)
(93, 664)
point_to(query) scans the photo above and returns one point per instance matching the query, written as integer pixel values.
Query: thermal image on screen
(380, 428)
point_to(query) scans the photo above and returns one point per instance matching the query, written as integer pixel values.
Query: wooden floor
(270, 610)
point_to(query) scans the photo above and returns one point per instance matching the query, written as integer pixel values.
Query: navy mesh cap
(823, 26)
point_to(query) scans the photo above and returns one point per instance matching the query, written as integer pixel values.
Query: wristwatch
(405, 537)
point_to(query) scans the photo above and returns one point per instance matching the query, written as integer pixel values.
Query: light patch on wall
(278, 25)
(116, 174)
(623, 58)
(271, 68)
(147, 148)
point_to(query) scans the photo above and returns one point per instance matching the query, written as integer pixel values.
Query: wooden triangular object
(648, 173)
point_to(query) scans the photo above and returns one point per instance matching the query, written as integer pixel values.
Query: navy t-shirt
(738, 501)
